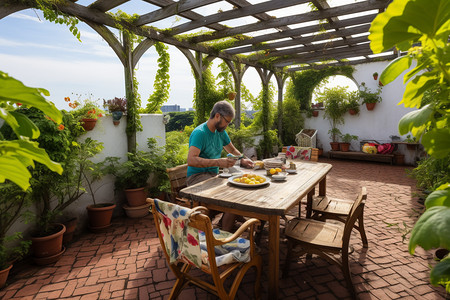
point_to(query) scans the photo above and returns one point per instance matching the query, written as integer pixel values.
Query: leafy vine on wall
(161, 84)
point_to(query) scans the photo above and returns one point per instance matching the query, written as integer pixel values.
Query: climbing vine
(161, 84)
(304, 82)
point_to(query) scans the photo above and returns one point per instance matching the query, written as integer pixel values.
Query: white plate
(225, 175)
(230, 180)
(278, 177)
(291, 171)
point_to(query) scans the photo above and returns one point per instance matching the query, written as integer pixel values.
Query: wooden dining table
(267, 202)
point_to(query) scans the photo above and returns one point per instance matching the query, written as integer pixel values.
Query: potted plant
(352, 103)
(335, 108)
(375, 76)
(87, 112)
(117, 107)
(232, 95)
(369, 98)
(411, 142)
(346, 140)
(12, 201)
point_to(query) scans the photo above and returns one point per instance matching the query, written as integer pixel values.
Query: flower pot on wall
(4, 275)
(137, 211)
(48, 249)
(100, 215)
(352, 111)
(344, 147)
(315, 113)
(88, 124)
(231, 95)
(116, 116)
(334, 146)
(136, 197)
(370, 106)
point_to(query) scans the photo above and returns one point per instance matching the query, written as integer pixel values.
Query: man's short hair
(224, 108)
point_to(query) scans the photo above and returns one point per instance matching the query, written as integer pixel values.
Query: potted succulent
(368, 97)
(346, 140)
(352, 103)
(334, 110)
(117, 107)
(87, 112)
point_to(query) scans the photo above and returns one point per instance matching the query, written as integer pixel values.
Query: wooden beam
(171, 10)
(300, 18)
(343, 63)
(236, 13)
(308, 39)
(105, 5)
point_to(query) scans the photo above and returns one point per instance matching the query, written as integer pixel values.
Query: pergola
(314, 34)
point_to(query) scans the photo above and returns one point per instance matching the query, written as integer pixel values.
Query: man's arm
(194, 160)
(245, 162)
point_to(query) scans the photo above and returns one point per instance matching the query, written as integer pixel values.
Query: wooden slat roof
(312, 34)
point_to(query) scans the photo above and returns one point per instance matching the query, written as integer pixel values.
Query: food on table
(274, 171)
(259, 164)
(250, 179)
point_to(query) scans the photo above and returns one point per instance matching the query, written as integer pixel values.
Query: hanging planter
(375, 76)
(88, 124)
(315, 113)
(370, 106)
(116, 116)
(231, 95)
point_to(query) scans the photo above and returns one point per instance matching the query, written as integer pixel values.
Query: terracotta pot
(375, 76)
(4, 275)
(136, 197)
(41, 261)
(352, 111)
(370, 106)
(100, 215)
(71, 225)
(315, 113)
(344, 147)
(231, 95)
(88, 124)
(137, 211)
(334, 146)
(320, 152)
(48, 246)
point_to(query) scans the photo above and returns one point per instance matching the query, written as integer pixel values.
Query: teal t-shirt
(210, 145)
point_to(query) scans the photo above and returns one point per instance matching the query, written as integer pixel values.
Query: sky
(46, 55)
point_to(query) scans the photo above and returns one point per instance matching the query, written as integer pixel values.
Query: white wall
(377, 124)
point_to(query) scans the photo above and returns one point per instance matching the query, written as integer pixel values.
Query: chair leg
(258, 278)
(259, 233)
(180, 282)
(362, 231)
(347, 275)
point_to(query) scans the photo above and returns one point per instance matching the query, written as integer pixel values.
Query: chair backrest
(356, 211)
(177, 177)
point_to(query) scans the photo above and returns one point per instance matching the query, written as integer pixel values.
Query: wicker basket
(306, 138)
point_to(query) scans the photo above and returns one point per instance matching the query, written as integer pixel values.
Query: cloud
(26, 17)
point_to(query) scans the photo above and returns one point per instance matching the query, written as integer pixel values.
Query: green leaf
(395, 68)
(27, 127)
(405, 22)
(440, 197)
(416, 70)
(15, 171)
(415, 118)
(437, 142)
(440, 274)
(416, 87)
(13, 90)
(432, 230)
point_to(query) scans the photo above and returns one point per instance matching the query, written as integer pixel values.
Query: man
(205, 147)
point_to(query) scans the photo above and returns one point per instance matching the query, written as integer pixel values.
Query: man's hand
(226, 162)
(247, 163)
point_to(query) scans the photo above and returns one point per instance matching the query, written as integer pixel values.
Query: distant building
(170, 108)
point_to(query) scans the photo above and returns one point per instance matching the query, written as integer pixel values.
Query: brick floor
(126, 262)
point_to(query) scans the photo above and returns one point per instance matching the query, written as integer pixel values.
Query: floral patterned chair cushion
(294, 152)
(188, 244)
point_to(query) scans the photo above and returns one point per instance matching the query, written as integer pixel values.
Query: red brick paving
(126, 262)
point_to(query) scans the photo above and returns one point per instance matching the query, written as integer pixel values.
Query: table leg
(309, 199)
(274, 255)
(323, 187)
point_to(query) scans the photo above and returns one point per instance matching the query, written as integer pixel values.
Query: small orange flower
(19, 104)
(61, 127)
(100, 115)
(67, 99)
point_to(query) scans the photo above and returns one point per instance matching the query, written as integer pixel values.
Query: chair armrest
(248, 224)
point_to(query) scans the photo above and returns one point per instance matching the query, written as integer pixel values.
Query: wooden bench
(357, 155)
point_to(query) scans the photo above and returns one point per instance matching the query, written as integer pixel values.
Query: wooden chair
(324, 207)
(325, 239)
(177, 176)
(205, 252)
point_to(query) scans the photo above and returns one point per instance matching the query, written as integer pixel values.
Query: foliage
(116, 104)
(335, 107)
(178, 120)
(410, 139)
(293, 120)
(10, 253)
(161, 84)
(353, 101)
(335, 134)
(242, 137)
(19, 152)
(304, 82)
(85, 109)
(348, 138)
(399, 26)
(368, 96)
(226, 83)
(176, 148)
(431, 172)
(266, 147)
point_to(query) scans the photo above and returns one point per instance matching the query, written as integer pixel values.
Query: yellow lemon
(237, 180)
(251, 182)
(278, 170)
(261, 180)
(273, 171)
